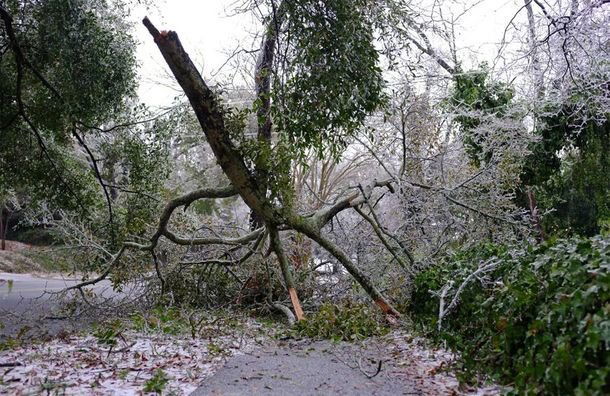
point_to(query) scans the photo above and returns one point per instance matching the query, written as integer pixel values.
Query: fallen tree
(316, 84)
(212, 117)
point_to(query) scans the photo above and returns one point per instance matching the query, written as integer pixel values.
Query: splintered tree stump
(296, 304)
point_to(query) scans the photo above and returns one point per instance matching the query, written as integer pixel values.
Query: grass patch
(53, 260)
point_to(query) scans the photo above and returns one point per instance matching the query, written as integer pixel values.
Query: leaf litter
(82, 365)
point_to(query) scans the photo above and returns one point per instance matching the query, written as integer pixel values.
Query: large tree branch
(276, 245)
(315, 235)
(211, 118)
(324, 215)
(384, 241)
(186, 200)
(427, 47)
(170, 207)
(213, 241)
(113, 262)
(210, 115)
(229, 263)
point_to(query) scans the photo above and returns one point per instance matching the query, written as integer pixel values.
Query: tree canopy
(65, 66)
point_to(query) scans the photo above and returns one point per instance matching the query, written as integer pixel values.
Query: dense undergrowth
(342, 322)
(538, 321)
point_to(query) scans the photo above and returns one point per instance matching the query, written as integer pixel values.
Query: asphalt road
(30, 305)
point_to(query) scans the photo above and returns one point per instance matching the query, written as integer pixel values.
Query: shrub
(156, 383)
(167, 320)
(108, 333)
(207, 286)
(345, 322)
(541, 323)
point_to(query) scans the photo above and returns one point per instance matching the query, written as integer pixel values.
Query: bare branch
(113, 263)
(186, 200)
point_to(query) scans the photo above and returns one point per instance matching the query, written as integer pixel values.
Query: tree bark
(533, 206)
(3, 229)
(211, 118)
(264, 72)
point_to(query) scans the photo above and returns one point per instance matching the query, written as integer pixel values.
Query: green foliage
(569, 165)
(34, 236)
(10, 343)
(345, 322)
(217, 350)
(167, 320)
(474, 92)
(25, 168)
(108, 333)
(138, 160)
(543, 324)
(201, 285)
(332, 81)
(157, 382)
(53, 387)
(570, 171)
(20, 339)
(84, 50)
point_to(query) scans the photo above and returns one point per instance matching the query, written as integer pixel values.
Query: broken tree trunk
(210, 115)
(533, 206)
(276, 245)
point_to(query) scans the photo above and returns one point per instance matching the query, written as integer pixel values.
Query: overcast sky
(209, 31)
(206, 29)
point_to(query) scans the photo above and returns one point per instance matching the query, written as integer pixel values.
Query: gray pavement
(31, 307)
(318, 368)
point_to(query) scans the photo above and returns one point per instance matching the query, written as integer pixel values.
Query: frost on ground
(85, 365)
(429, 368)
(81, 365)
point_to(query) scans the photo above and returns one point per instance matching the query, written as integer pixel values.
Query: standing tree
(73, 138)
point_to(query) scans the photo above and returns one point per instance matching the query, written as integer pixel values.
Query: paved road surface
(27, 302)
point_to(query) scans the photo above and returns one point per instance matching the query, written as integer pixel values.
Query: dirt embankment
(16, 259)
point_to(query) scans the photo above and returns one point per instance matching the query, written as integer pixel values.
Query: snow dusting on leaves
(81, 365)
(430, 369)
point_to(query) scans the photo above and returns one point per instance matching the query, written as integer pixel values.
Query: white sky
(209, 33)
(206, 29)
